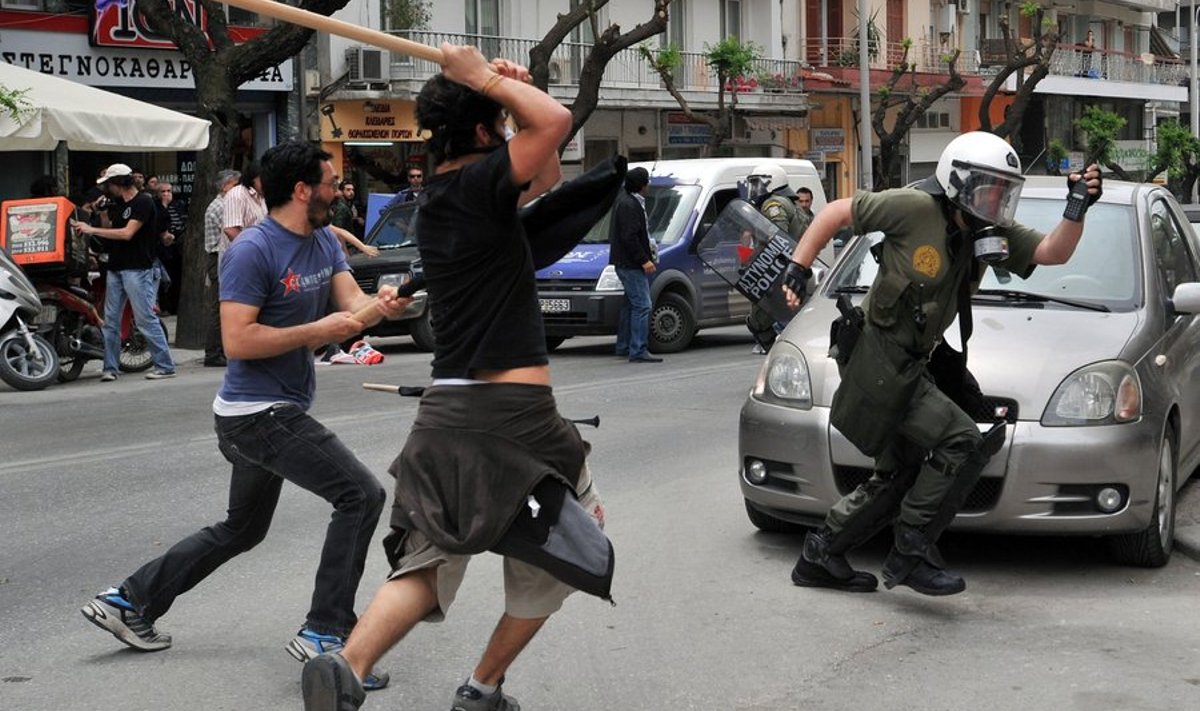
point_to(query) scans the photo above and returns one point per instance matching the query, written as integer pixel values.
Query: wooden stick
(381, 387)
(329, 25)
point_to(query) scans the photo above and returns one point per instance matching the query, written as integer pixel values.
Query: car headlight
(1103, 393)
(396, 280)
(608, 280)
(784, 378)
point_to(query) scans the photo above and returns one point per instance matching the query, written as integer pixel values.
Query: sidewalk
(181, 356)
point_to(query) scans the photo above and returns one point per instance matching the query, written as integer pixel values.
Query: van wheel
(1151, 547)
(672, 324)
(422, 333)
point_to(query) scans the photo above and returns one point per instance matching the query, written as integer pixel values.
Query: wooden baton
(329, 25)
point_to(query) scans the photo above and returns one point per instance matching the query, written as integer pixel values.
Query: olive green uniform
(887, 404)
(783, 212)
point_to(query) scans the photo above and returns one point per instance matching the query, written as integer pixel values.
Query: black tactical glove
(796, 278)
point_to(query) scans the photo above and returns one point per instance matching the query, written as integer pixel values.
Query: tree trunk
(215, 92)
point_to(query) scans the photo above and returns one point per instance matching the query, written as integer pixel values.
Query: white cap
(113, 171)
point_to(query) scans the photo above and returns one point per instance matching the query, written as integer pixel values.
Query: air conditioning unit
(368, 65)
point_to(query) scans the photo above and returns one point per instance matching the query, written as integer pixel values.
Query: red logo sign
(123, 25)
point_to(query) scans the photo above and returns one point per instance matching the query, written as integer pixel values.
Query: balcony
(776, 84)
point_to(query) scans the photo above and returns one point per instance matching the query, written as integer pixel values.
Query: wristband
(490, 83)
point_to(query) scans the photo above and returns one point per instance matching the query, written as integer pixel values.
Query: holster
(845, 330)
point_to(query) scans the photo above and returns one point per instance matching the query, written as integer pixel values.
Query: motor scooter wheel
(21, 368)
(135, 353)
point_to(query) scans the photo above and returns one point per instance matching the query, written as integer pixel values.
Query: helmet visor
(990, 195)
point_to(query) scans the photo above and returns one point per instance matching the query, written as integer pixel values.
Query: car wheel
(422, 332)
(1151, 547)
(770, 524)
(672, 324)
(553, 342)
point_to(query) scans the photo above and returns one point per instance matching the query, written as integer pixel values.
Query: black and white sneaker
(468, 698)
(111, 611)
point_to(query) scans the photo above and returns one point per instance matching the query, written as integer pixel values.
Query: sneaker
(157, 374)
(328, 684)
(108, 376)
(111, 611)
(468, 698)
(308, 645)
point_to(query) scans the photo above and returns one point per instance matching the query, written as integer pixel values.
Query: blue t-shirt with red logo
(288, 276)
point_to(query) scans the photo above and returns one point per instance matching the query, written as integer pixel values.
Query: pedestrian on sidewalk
(278, 279)
(130, 235)
(214, 215)
(490, 407)
(631, 252)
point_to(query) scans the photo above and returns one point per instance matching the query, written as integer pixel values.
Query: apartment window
(731, 18)
(933, 120)
(483, 17)
(676, 12)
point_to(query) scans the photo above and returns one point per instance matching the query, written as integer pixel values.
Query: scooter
(27, 361)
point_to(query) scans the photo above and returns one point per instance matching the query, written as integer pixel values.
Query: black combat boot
(915, 561)
(818, 567)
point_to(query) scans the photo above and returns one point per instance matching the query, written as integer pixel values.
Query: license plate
(555, 306)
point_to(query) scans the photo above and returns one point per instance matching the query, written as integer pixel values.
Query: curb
(1187, 520)
(1187, 541)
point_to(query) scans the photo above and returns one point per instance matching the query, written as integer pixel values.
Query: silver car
(1095, 365)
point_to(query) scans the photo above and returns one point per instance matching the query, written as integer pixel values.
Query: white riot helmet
(981, 174)
(768, 178)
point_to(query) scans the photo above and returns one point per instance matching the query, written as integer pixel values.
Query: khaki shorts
(529, 592)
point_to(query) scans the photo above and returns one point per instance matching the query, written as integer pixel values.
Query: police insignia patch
(927, 261)
(773, 210)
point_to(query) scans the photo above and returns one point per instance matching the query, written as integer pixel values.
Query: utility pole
(864, 97)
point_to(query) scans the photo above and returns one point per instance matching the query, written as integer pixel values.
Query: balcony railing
(1146, 68)
(627, 70)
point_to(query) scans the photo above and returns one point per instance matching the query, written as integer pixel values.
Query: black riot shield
(748, 252)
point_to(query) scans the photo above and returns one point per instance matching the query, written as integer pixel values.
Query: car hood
(1014, 352)
(585, 261)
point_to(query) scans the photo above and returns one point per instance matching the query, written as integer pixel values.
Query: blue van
(580, 294)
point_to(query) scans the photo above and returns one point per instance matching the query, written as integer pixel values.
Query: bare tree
(219, 67)
(913, 101)
(607, 43)
(1020, 57)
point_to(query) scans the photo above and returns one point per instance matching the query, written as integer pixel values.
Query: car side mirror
(1186, 299)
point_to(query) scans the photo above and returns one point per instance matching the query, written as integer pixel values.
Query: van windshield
(668, 208)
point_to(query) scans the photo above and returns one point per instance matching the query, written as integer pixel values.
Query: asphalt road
(97, 478)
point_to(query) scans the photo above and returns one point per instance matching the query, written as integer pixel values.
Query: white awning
(91, 119)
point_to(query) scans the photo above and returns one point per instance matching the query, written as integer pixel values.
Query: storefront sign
(122, 25)
(368, 121)
(829, 140)
(70, 56)
(682, 131)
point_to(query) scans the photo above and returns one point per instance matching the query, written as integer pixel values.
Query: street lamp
(864, 98)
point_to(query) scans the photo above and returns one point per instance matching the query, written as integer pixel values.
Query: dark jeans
(212, 297)
(266, 448)
(633, 322)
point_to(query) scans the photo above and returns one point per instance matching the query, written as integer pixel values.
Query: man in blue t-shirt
(278, 281)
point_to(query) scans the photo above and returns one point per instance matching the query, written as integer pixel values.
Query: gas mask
(990, 246)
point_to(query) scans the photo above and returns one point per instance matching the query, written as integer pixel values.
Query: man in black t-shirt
(131, 236)
(490, 407)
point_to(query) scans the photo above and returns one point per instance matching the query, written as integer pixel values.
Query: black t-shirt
(479, 271)
(137, 253)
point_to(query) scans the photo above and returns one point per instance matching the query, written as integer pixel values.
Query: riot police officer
(939, 237)
(770, 193)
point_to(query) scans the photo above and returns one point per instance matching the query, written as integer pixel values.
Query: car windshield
(1102, 272)
(668, 208)
(395, 229)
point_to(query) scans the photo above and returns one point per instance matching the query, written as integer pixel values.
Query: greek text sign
(70, 56)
